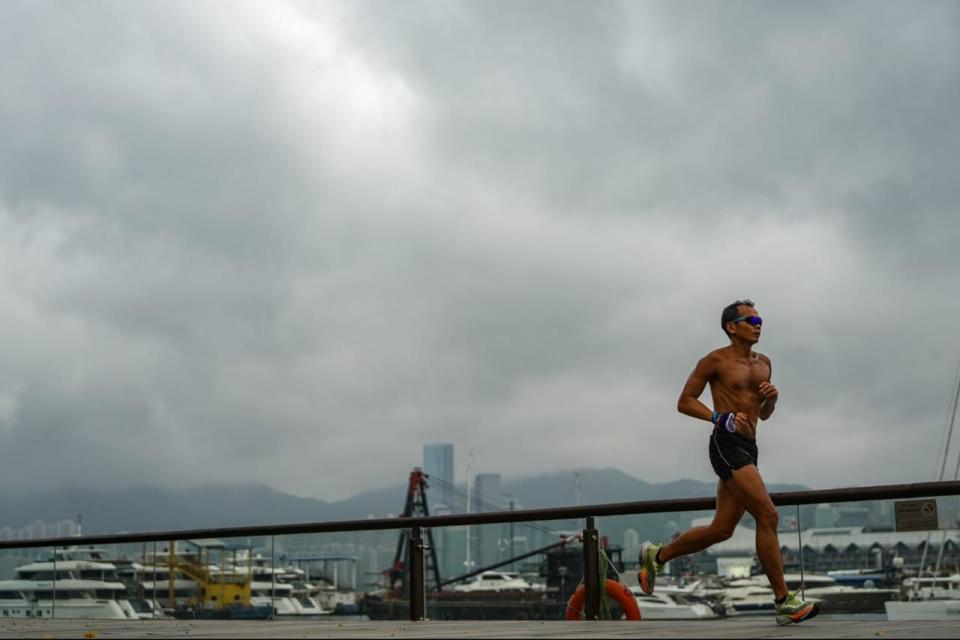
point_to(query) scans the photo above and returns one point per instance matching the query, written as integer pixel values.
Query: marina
(197, 584)
(187, 584)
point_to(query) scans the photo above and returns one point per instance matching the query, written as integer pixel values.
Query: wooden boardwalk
(823, 627)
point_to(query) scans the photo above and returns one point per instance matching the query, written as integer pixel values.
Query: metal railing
(416, 564)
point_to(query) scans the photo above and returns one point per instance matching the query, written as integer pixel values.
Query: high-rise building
(38, 529)
(487, 493)
(491, 539)
(631, 543)
(438, 464)
(824, 516)
(452, 551)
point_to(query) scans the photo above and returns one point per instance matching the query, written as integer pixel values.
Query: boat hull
(923, 610)
(854, 600)
(62, 609)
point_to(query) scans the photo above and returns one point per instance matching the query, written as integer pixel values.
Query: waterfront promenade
(753, 627)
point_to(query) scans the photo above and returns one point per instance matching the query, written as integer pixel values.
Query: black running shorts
(729, 451)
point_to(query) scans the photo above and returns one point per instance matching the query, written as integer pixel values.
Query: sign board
(916, 515)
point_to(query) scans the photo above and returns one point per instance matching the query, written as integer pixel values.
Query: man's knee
(767, 517)
(721, 532)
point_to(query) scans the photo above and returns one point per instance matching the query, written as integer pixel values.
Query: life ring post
(591, 570)
(617, 591)
(416, 580)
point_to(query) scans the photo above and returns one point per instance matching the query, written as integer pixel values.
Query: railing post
(416, 579)
(591, 570)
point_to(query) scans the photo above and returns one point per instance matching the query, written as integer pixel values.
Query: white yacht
(932, 587)
(124, 571)
(923, 610)
(271, 586)
(498, 581)
(278, 594)
(331, 598)
(304, 593)
(147, 609)
(155, 583)
(927, 598)
(69, 589)
(748, 596)
(836, 597)
(668, 603)
(311, 606)
(326, 590)
(754, 595)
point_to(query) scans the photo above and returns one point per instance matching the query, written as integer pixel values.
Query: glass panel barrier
(894, 559)
(103, 581)
(879, 559)
(208, 579)
(321, 575)
(161, 585)
(692, 587)
(349, 575)
(494, 571)
(859, 559)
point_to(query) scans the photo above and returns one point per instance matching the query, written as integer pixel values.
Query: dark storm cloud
(251, 245)
(693, 106)
(838, 113)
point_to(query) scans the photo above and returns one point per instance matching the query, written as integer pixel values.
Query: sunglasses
(755, 321)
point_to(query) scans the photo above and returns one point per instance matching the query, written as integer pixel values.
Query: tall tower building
(488, 496)
(631, 543)
(438, 464)
(487, 493)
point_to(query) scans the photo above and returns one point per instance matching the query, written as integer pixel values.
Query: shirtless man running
(739, 382)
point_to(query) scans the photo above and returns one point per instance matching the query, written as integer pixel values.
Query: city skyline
(42, 529)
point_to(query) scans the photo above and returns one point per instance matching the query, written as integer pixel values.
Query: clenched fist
(768, 392)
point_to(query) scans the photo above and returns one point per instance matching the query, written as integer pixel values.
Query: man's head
(740, 320)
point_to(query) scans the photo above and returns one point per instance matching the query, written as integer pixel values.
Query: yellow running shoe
(649, 567)
(794, 610)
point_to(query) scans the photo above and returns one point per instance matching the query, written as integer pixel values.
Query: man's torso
(735, 384)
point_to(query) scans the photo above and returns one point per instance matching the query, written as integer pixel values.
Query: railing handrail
(783, 498)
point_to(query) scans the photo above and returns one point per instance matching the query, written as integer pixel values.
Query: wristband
(725, 421)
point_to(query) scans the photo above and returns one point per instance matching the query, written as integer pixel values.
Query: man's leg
(748, 488)
(729, 512)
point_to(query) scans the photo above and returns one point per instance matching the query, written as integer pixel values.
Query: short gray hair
(730, 312)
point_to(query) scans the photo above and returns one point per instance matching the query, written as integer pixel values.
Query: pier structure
(400, 630)
(415, 569)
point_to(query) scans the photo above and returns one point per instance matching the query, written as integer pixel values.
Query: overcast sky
(290, 243)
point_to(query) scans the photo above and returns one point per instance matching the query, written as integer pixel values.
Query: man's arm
(689, 403)
(768, 393)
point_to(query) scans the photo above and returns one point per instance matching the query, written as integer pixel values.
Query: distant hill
(138, 509)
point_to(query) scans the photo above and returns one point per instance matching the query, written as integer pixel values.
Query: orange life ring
(616, 590)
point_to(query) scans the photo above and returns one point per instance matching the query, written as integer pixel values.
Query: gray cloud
(292, 242)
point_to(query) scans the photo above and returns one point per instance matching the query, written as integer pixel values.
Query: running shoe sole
(807, 613)
(647, 581)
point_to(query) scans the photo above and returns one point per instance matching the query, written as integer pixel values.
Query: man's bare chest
(741, 375)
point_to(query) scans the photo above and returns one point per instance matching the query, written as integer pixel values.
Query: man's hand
(768, 393)
(731, 421)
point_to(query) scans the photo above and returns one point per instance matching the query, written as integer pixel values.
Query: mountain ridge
(149, 508)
